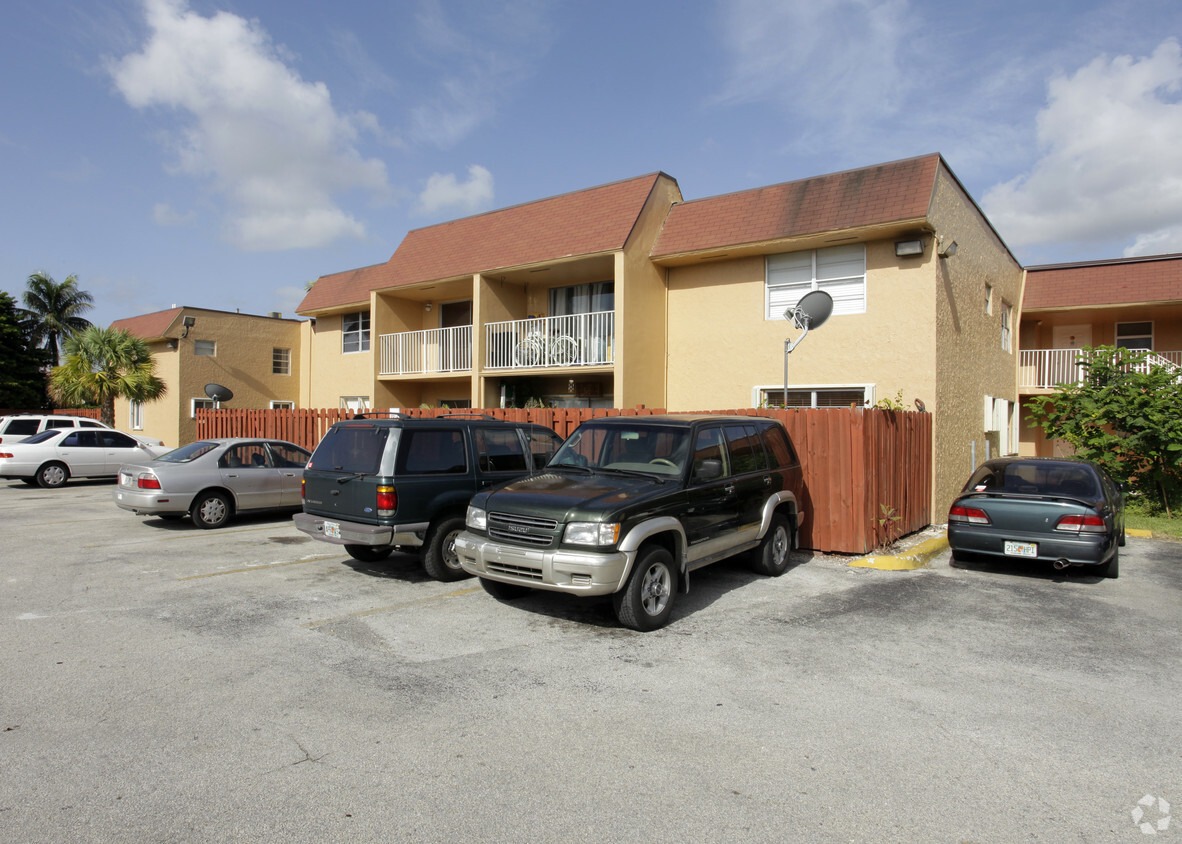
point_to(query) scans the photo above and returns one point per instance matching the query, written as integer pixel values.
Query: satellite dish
(218, 393)
(815, 307)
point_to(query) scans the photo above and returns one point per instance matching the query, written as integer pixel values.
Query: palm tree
(102, 364)
(56, 310)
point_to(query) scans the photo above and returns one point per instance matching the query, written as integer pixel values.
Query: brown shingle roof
(149, 326)
(586, 222)
(1157, 278)
(897, 191)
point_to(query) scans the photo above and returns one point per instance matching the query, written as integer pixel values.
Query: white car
(52, 457)
(18, 428)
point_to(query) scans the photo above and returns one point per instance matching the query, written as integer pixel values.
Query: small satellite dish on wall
(218, 393)
(810, 312)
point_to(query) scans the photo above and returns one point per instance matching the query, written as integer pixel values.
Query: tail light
(387, 501)
(968, 515)
(147, 482)
(303, 489)
(1090, 523)
(5, 454)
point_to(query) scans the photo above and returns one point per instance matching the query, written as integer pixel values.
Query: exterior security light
(906, 248)
(188, 322)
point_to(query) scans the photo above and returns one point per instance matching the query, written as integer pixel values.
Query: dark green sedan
(1064, 512)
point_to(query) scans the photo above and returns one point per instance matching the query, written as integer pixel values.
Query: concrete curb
(913, 558)
(1144, 534)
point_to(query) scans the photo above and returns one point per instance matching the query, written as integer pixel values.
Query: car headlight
(476, 519)
(592, 533)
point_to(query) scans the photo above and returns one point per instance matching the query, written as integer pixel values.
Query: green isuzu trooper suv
(629, 506)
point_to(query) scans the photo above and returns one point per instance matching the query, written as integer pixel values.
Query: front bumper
(356, 533)
(154, 502)
(578, 572)
(1076, 549)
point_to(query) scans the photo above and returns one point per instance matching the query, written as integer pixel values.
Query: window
(136, 422)
(82, 439)
(1134, 335)
(989, 299)
(355, 403)
(583, 298)
(283, 405)
(355, 332)
(281, 361)
(838, 270)
(432, 452)
(194, 404)
(1007, 313)
(205, 348)
(245, 456)
(745, 449)
(815, 397)
(500, 450)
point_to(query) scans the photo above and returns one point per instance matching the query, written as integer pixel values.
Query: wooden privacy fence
(867, 472)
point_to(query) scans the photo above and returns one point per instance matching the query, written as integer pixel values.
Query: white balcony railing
(575, 340)
(1044, 369)
(425, 352)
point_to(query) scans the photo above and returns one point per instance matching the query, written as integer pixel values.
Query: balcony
(434, 351)
(551, 342)
(1044, 369)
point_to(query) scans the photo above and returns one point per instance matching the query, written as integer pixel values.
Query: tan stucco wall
(334, 373)
(642, 308)
(162, 417)
(722, 349)
(970, 361)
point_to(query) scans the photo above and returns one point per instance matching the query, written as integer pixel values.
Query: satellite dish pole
(810, 312)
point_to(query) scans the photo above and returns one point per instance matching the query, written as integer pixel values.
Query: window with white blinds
(838, 270)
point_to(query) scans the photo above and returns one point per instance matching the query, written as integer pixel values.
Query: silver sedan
(211, 480)
(52, 457)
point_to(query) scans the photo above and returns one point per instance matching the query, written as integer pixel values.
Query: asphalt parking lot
(164, 683)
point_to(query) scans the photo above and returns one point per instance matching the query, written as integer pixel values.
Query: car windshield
(1036, 478)
(651, 449)
(354, 449)
(43, 436)
(187, 453)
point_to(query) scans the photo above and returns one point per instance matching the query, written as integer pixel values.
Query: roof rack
(469, 416)
(381, 414)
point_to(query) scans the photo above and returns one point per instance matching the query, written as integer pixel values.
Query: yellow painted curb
(914, 558)
(1144, 534)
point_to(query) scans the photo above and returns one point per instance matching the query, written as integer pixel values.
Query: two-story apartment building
(257, 357)
(1135, 303)
(624, 295)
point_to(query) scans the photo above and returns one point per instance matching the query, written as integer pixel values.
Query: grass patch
(1160, 525)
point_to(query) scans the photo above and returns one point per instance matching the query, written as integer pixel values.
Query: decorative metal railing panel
(551, 342)
(425, 352)
(1044, 369)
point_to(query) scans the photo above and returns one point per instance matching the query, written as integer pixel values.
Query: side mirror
(707, 470)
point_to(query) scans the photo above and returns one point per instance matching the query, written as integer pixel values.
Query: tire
(564, 351)
(1121, 540)
(773, 555)
(504, 591)
(29, 481)
(52, 475)
(1112, 567)
(369, 553)
(646, 601)
(212, 510)
(439, 553)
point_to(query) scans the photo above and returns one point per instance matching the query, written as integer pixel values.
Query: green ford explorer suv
(376, 484)
(629, 506)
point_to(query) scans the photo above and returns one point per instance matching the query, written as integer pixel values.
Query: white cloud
(444, 191)
(833, 60)
(1110, 167)
(268, 141)
(165, 215)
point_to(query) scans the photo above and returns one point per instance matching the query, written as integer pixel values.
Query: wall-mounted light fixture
(188, 322)
(427, 307)
(907, 248)
(949, 250)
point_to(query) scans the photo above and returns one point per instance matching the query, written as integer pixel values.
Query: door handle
(729, 489)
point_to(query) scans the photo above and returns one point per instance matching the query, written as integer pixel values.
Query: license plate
(1022, 549)
(332, 530)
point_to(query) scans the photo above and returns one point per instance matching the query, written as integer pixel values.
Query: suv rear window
(351, 448)
(22, 427)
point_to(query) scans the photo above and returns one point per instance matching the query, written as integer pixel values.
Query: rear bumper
(1077, 549)
(151, 503)
(356, 533)
(577, 572)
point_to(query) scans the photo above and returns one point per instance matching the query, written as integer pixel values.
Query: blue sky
(222, 153)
